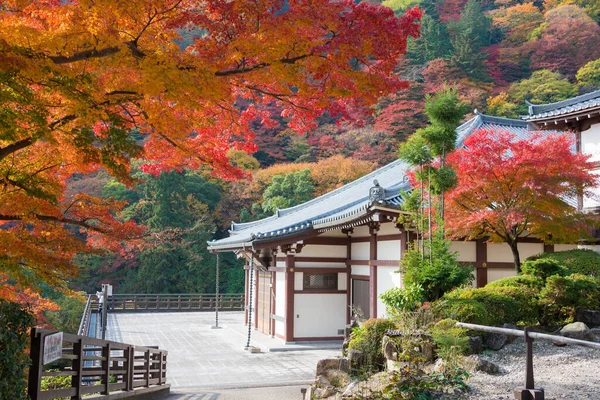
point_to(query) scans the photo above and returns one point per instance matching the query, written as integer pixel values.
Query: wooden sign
(52, 347)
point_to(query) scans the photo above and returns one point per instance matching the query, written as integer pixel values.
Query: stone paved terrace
(202, 359)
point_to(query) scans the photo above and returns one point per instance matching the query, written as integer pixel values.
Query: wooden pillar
(246, 299)
(273, 293)
(481, 262)
(256, 289)
(348, 280)
(548, 248)
(373, 228)
(289, 297)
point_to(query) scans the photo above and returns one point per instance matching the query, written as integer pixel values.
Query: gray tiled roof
(574, 105)
(515, 126)
(350, 202)
(298, 219)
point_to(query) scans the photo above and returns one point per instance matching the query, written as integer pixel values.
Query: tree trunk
(517, 259)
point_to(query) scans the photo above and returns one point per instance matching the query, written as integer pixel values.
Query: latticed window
(320, 281)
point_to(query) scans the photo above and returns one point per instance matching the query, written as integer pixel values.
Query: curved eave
(229, 246)
(560, 115)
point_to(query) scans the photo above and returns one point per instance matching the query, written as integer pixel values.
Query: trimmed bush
(564, 295)
(462, 310)
(367, 339)
(543, 268)
(578, 261)
(15, 322)
(519, 281)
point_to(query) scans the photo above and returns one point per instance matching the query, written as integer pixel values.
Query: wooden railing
(174, 302)
(91, 305)
(114, 370)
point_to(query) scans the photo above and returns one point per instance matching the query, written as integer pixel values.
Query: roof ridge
(539, 108)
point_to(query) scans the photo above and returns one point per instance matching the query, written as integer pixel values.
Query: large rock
(509, 337)
(389, 349)
(495, 341)
(589, 317)
(577, 330)
(338, 364)
(475, 345)
(476, 363)
(356, 359)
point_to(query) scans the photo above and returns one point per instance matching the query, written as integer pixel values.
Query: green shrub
(524, 282)
(543, 268)
(504, 304)
(15, 321)
(439, 276)
(451, 341)
(367, 339)
(578, 261)
(404, 299)
(463, 310)
(564, 295)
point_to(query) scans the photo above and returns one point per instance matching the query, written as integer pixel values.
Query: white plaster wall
(389, 250)
(498, 273)
(388, 228)
(280, 302)
(361, 270)
(530, 249)
(466, 251)
(594, 247)
(590, 142)
(361, 231)
(323, 251)
(593, 200)
(280, 264)
(319, 315)
(564, 247)
(361, 251)
(342, 284)
(298, 280)
(500, 252)
(387, 278)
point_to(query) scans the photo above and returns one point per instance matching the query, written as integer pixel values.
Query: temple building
(313, 267)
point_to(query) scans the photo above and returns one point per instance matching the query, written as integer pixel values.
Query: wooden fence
(91, 305)
(174, 302)
(114, 370)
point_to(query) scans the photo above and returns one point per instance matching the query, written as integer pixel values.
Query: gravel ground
(570, 372)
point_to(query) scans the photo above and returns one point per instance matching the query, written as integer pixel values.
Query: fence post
(130, 367)
(35, 371)
(147, 357)
(77, 366)
(106, 368)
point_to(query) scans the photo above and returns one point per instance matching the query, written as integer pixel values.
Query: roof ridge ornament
(376, 192)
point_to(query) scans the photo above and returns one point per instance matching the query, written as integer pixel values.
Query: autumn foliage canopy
(510, 187)
(187, 77)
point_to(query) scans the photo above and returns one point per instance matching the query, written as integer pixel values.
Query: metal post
(217, 295)
(250, 300)
(104, 311)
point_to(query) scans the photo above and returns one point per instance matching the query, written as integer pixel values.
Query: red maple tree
(190, 78)
(510, 187)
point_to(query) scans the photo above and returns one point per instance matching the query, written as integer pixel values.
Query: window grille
(320, 281)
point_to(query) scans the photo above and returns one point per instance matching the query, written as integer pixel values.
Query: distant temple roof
(516, 126)
(579, 104)
(350, 203)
